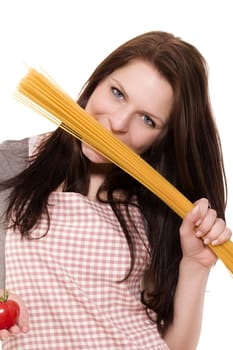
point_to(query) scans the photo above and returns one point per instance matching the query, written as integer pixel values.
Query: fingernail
(196, 210)
(206, 241)
(198, 234)
(215, 242)
(25, 329)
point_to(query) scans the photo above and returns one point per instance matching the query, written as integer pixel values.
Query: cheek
(141, 140)
(98, 103)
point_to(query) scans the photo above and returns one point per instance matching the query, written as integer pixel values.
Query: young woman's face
(134, 103)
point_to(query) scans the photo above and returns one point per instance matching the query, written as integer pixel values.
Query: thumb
(23, 320)
(196, 215)
(191, 220)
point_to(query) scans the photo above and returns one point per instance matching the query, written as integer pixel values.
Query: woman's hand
(22, 325)
(199, 228)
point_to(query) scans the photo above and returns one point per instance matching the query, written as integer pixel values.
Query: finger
(206, 223)
(4, 333)
(218, 234)
(14, 330)
(223, 237)
(196, 215)
(215, 231)
(203, 204)
(23, 321)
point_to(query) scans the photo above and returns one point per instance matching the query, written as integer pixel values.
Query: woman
(101, 262)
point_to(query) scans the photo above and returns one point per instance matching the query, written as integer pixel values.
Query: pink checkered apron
(70, 277)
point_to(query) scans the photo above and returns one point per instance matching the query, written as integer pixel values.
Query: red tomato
(9, 312)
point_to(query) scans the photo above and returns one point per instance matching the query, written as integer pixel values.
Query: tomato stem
(4, 297)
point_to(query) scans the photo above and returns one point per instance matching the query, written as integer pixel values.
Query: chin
(93, 156)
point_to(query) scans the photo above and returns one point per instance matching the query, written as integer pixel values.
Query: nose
(120, 120)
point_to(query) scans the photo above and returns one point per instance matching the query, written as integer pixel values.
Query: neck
(97, 177)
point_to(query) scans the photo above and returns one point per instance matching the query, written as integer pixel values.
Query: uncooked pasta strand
(46, 97)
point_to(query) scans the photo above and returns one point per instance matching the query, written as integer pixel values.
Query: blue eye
(116, 92)
(149, 121)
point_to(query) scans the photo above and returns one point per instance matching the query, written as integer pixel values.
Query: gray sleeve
(13, 159)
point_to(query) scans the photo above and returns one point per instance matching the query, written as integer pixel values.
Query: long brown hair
(188, 154)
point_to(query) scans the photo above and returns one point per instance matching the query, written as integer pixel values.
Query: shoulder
(13, 145)
(14, 154)
(13, 157)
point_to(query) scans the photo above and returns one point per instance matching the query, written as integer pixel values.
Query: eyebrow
(151, 115)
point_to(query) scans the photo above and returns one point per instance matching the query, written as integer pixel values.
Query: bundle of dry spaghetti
(43, 95)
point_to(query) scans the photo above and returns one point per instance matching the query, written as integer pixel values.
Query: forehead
(136, 67)
(145, 86)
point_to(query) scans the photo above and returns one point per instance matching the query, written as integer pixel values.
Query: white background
(69, 38)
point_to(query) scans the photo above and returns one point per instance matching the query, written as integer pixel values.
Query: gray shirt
(13, 159)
